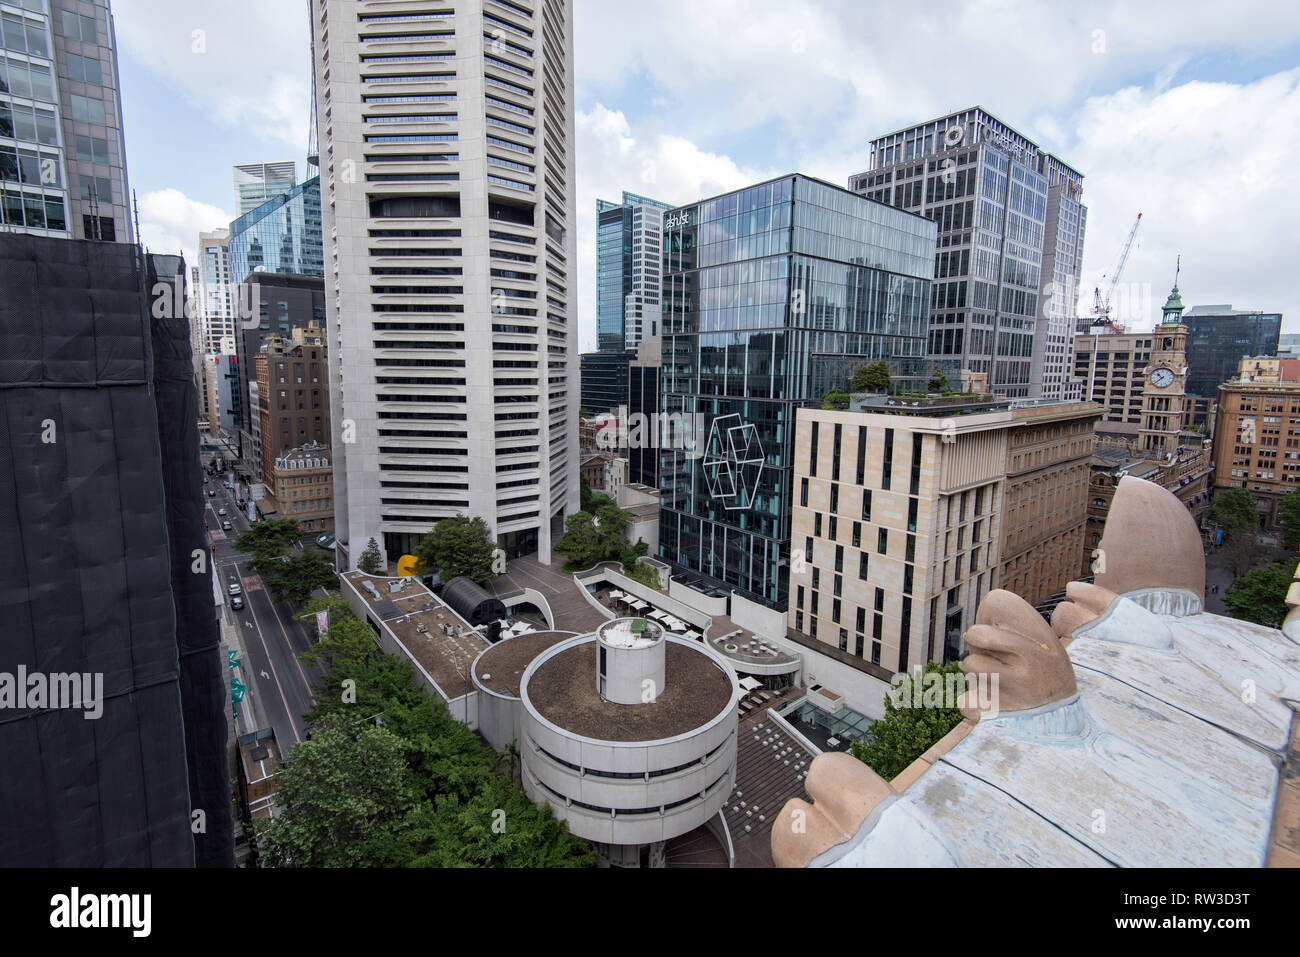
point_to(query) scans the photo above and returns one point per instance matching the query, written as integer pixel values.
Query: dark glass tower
(773, 296)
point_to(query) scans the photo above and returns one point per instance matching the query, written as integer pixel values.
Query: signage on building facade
(679, 220)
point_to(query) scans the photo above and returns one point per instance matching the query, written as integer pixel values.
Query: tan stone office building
(1257, 442)
(1049, 454)
(896, 529)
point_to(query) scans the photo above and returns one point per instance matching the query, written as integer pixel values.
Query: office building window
(835, 454)
(917, 441)
(866, 504)
(882, 541)
(812, 452)
(887, 460)
(862, 454)
(862, 565)
(84, 69)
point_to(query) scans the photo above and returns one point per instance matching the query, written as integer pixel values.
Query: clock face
(1162, 378)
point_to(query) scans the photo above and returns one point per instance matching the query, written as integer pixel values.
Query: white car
(235, 588)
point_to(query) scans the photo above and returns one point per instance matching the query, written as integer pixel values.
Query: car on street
(237, 603)
(234, 588)
(225, 526)
(221, 511)
(325, 541)
(212, 493)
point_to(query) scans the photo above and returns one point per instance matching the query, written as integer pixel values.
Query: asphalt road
(278, 681)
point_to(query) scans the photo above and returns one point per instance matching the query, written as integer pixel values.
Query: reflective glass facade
(1218, 338)
(628, 260)
(282, 236)
(772, 296)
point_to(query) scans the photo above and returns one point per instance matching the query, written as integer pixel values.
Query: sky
(1185, 112)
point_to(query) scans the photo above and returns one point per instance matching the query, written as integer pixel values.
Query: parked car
(237, 603)
(325, 541)
(225, 526)
(234, 588)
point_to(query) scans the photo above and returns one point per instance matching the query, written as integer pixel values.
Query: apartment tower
(447, 189)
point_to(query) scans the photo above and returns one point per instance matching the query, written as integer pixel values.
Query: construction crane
(1100, 305)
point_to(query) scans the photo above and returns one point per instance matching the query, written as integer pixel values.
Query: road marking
(293, 724)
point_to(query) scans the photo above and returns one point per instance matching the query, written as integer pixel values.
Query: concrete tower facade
(447, 187)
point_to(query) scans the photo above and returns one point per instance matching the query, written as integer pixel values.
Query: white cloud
(170, 222)
(246, 65)
(653, 164)
(1209, 167)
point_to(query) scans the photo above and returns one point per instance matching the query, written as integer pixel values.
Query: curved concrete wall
(561, 767)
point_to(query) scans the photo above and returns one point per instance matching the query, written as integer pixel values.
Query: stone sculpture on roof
(1134, 730)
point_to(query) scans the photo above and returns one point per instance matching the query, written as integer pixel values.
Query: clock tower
(1164, 388)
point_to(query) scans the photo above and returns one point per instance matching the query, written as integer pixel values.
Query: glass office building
(773, 295)
(1219, 337)
(604, 380)
(281, 236)
(628, 264)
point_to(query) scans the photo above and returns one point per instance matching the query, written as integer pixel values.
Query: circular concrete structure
(497, 673)
(637, 773)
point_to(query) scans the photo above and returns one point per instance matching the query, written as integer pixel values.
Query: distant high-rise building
(773, 295)
(257, 183)
(216, 302)
(280, 303)
(283, 235)
(62, 152)
(604, 380)
(1010, 221)
(1219, 337)
(447, 184)
(628, 265)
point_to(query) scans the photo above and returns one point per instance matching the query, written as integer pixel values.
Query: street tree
(343, 800)
(1234, 510)
(1288, 510)
(269, 538)
(1260, 595)
(295, 577)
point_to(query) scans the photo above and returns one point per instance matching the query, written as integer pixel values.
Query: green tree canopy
(1260, 595)
(344, 797)
(871, 378)
(446, 804)
(1235, 510)
(269, 538)
(592, 538)
(295, 577)
(459, 546)
(938, 381)
(905, 732)
(835, 399)
(1288, 510)
(371, 562)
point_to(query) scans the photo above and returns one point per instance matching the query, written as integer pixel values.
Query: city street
(278, 681)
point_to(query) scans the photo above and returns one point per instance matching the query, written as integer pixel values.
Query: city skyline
(804, 89)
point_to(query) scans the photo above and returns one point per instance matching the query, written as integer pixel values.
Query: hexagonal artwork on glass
(733, 462)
